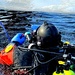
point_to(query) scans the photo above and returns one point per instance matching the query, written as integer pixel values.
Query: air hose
(46, 61)
(1, 24)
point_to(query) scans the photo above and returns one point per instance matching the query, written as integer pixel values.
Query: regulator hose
(1, 24)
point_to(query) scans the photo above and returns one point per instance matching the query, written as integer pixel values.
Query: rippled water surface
(15, 22)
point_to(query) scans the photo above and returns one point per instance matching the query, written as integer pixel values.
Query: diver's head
(47, 36)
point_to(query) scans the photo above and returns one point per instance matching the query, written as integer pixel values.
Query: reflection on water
(17, 21)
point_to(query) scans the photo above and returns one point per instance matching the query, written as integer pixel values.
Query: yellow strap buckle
(67, 42)
(61, 62)
(9, 48)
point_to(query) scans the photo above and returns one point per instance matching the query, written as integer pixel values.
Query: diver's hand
(18, 39)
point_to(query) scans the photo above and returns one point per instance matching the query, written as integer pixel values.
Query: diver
(47, 37)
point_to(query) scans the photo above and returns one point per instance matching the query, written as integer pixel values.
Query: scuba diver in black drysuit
(46, 37)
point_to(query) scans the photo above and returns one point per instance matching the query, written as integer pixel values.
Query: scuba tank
(63, 67)
(66, 72)
(61, 71)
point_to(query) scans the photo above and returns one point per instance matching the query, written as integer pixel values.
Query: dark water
(16, 21)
